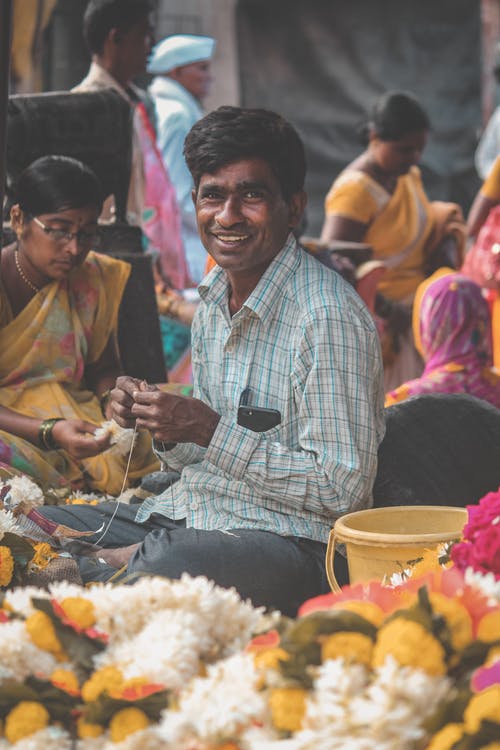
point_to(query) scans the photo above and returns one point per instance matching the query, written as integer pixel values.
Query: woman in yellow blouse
(379, 199)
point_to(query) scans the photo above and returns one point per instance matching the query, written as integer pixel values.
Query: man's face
(243, 218)
(195, 77)
(134, 46)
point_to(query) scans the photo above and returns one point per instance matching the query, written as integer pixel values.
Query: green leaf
(58, 703)
(79, 646)
(104, 708)
(326, 622)
(12, 692)
(21, 550)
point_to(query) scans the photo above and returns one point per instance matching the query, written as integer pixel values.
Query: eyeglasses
(84, 239)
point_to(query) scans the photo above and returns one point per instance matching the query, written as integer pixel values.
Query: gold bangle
(45, 437)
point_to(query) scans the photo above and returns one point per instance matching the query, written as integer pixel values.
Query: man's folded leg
(271, 570)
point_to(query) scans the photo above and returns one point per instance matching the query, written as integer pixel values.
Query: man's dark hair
(229, 134)
(103, 15)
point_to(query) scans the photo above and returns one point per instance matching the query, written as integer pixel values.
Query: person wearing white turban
(181, 66)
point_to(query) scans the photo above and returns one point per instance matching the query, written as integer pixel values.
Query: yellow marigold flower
(483, 705)
(43, 634)
(66, 680)
(43, 555)
(446, 737)
(457, 618)
(287, 706)
(105, 679)
(353, 647)
(370, 611)
(127, 721)
(411, 645)
(270, 658)
(25, 719)
(489, 627)
(6, 566)
(79, 610)
(88, 731)
(491, 746)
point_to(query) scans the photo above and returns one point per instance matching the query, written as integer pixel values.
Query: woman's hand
(76, 437)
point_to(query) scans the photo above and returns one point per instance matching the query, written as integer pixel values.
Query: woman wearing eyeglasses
(59, 303)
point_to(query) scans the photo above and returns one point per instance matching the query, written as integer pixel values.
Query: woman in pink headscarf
(452, 330)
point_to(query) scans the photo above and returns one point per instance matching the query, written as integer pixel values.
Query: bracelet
(45, 437)
(104, 399)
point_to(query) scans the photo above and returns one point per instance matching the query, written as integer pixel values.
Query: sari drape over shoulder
(399, 225)
(44, 352)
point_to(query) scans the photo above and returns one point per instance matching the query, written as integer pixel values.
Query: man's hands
(168, 417)
(76, 437)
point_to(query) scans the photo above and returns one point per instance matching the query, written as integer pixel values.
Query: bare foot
(119, 556)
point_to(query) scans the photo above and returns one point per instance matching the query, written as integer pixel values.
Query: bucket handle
(330, 555)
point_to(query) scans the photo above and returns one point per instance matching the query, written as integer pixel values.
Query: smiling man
(281, 437)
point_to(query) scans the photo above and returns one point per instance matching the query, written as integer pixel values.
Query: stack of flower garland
(162, 665)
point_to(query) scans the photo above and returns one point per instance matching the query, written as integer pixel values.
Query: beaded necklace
(32, 286)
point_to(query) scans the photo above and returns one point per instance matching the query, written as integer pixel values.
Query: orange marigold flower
(103, 680)
(127, 721)
(25, 719)
(43, 555)
(288, 705)
(66, 680)
(88, 731)
(489, 627)
(6, 566)
(79, 611)
(457, 618)
(352, 647)
(483, 706)
(43, 634)
(411, 645)
(446, 737)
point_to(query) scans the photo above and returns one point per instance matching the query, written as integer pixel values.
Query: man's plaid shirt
(305, 344)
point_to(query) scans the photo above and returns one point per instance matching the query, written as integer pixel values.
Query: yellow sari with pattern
(399, 225)
(44, 352)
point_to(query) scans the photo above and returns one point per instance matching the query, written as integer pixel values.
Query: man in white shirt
(181, 66)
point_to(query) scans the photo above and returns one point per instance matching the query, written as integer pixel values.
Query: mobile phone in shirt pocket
(257, 418)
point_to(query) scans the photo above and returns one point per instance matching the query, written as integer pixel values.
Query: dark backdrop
(322, 63)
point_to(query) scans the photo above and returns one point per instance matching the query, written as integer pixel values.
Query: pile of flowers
(86, 668)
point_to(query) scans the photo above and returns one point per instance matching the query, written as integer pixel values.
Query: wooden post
(5, 42)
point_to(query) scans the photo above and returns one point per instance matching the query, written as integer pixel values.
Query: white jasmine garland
(50, 738)
(22, 490)
(20, 657)
(122, 438)
(145, 739)
(217, 707)
(7, 523)
(487, 584)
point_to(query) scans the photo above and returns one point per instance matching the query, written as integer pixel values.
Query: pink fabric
(455, 332)
(161, 222)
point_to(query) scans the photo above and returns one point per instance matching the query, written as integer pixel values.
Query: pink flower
(487, 549)
(485, 677)
(482, 515)
(462, 555)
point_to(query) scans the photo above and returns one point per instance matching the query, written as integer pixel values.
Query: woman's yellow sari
(44, 352)
(399, 225)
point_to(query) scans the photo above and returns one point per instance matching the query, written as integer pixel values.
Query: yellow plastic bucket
(383, 541)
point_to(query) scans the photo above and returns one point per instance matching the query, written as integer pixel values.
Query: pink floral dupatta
(452, 329)
(161, 221)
